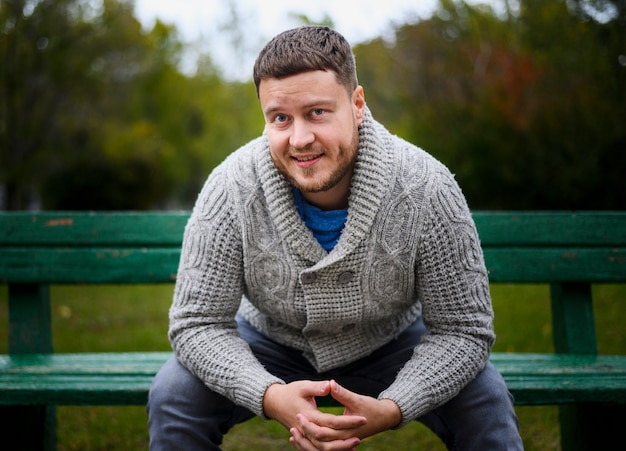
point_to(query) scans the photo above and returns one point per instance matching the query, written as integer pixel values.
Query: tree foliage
(525, 103)
(96, 113)
(527, 109)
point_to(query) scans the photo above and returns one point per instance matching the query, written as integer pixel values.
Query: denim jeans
(185, 414)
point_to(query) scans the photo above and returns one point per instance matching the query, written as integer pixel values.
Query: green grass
(134, 318)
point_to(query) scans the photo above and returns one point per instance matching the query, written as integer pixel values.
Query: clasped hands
(294, 406)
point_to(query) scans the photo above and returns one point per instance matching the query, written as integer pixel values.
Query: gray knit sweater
(409, 247)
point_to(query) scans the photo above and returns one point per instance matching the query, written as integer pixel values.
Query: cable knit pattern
(409, 247)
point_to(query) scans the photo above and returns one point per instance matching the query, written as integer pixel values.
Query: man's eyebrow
(307, 106)
(320, 102)
(270, 110)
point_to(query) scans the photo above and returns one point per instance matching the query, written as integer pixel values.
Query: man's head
(307, 49)
(313, 108)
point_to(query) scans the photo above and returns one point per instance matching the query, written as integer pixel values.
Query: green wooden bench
(568, 251)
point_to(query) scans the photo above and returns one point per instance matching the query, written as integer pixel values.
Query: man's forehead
(300, 91)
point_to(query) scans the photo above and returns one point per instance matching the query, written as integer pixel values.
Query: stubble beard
(324, 184)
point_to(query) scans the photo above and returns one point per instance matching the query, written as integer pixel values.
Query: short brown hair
(305, 49)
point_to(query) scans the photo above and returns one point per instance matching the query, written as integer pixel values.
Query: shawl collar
(370, 183)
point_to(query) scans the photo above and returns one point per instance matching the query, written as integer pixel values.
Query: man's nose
(301, 135)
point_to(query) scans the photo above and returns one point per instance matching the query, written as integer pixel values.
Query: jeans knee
(495, 386)
(173, 383)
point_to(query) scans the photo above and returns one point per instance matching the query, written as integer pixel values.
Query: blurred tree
(96, 114)
(111, 154)
(526, 104)
(525, 108)
(578, 127)
(37, 67)
(67, 68)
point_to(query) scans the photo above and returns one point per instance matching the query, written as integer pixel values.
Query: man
(328, 257)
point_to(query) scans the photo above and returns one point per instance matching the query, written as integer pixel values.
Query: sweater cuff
(251, 388)
(412, 403)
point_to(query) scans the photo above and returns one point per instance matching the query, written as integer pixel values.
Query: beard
(346, 156)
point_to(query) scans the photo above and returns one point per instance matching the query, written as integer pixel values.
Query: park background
(526, 103)
(524, 100)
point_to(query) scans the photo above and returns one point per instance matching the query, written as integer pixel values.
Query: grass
(134, 318)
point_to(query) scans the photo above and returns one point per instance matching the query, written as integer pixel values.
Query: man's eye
(318, 112)
(280, 118)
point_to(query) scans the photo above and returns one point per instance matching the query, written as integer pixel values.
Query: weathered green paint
(30, 332)
(64, 265)
(159, 265)
(30, 327)
(124, 378)
(568, 251)
(573, 325)
(98, 229)
(542, 229)
(157, 228)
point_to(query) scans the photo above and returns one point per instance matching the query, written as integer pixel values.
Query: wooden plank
(573, 324)
(86, 229)
(545, 265)
(551, 228)
(30, 332)
(158, 228)
(148, 362)
(85, 363)
(159, 264)
(125, 378)
(89, 265)
(79, 379)
(30, 329)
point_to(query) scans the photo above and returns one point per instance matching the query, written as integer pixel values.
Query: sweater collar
(370, 182)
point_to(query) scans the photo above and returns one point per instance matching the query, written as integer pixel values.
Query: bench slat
(78, 379)
(125, 378)
(89, 265)
(551, 228)
(150, 265)
(88, 229)
(166, 228)
(548, 265)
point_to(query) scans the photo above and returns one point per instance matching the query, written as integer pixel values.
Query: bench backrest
(570, 251)
(90, 247)
(144, 247)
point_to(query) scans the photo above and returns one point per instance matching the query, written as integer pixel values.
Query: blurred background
(117, 105)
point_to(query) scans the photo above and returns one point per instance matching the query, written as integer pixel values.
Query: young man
(328, 257)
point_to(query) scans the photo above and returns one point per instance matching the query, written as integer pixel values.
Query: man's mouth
(306, 160)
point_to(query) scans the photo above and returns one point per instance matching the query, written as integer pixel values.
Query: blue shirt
(326, 225)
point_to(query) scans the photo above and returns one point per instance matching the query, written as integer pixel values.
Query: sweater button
(308, 277)
(348, 327)
(345, 277)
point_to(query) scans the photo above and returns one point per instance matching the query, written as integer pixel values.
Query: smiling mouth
(304, 161)
(306, 158)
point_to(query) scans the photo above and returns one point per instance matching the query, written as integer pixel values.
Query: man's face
(312, 127)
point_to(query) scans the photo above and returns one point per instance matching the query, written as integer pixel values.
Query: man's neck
(335, 198)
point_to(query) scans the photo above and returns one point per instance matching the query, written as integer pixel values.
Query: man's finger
(342, 395)
(311, 436)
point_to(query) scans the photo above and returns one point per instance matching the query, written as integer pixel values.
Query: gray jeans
(184, 414)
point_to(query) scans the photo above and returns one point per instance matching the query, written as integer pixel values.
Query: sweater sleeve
(453, 289)
(208, 291)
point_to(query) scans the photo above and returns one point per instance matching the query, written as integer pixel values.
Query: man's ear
(358, 103)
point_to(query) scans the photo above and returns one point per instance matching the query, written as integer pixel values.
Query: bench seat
(124, 378)
(78, 379)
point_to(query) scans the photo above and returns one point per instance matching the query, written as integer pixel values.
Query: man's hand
(293, 403)
(320, 431)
